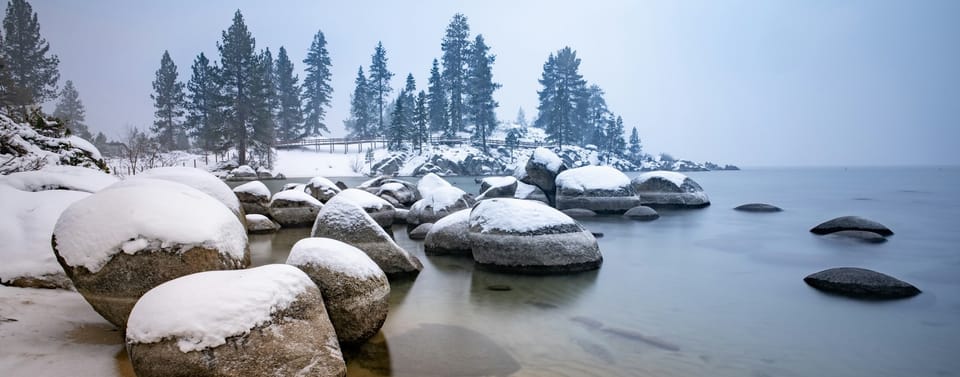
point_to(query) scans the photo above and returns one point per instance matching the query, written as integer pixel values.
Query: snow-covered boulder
(59, 177)
(669, 189)
(429, 183)
(254, 197)
(342, 220)
(420, 232)
(601, 189)
(402, 192)
(257, 224)
(264, 173)
(292, 208)
(119, 243)
(522, 236)
(498, 187)
(242, 173)
(438, 203)
(450, 235)
(321, 188)
(530, 192)
(265, 321)
(400, 216)
(541, 171)
(380, 210)
(354, 288)
(26, 225)
(22, 148)
(200, 180)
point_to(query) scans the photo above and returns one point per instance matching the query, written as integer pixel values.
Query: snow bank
(334, 255)
(296, 195)
(306, 163)
(202, 310)
(256, 188)
(592, 178)
(26, 224)
(674, 177)
(363, 199)
(126, 219)
(430, 183)
(515, 215)
(547, 158)
(59, 177)
(200, 180)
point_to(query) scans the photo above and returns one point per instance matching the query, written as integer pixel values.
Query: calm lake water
(709, 292)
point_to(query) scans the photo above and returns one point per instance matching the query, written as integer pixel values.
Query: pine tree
(420, 115)
(410, 96)
(239, 68)
(456, 46)
(204, 103)
(437, 102)
(522, 118)
(597, 116)
(100, 141)
(397, 133)
(317, 91)
(168, 102)
(379, 83)
(614, 134)
(361, 122)
(289, 112)
(636, 149)
(70, 110)
(31, 72)
(563, 99)
(264, 101)
(480, 100)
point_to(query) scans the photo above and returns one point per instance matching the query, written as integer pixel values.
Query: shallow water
(701, 292)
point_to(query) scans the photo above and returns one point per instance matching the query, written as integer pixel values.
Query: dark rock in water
(542, 305)
(851, 223)
(758, 207)
(859, 235)
(587, 322)
(578, 213)
(341, 185)
(420, 232)
(601, 189)
(638, 337)
(542, 170)
(499, 287)
(642, 213)
(597, 234)
(860, 283)
(668, 189)
(4, 319)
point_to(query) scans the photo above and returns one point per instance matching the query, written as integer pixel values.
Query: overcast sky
(756, 83)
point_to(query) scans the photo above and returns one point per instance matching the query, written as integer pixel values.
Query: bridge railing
(374, 142)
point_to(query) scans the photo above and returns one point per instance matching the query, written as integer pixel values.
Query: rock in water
(601, 189)
(379, 209)
(242, 173)
(342, 220)
(642, 213)
(498, 187)
(860, 283)
(541, 171)
(579, 213)
(322, 189)
(669, 189)
(403, 192)
(523, 236)
(450, 235)
(120, 242)
(292, 208)
(265, 321)
(437, 204)
(258, 224)
(851, 223)
(859, 235)
(758, 207)
(420, 232)
(530, 192)
(355, 290)
(254, 197)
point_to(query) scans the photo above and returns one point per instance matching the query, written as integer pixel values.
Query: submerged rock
(758, 207)
(254, 197)
(860, 283)
(642, 213)
(354, 288)
(258, 224)
(523, 236)
(420, 232)
(859, 235)
(292, 208)
(851, 223)
(669, 189)
(449, 235)
(579, 213)
(265, 321)
(601, 189)
(542, 170)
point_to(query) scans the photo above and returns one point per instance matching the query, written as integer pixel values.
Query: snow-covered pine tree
(480, 99)
(635, 149)
(456, 48)
(31, 71)
(437, 102)
(409, 95)
(317, 91)
(289, 107)
(70, 110)
(379, 84)
(522, 118)
(397, 133)
(597, 116)
(168, 104)
(420, 115)
(264, 101)
(563, 98)
(204, 115)
(614, 133)
(361, 122)
(239, 68)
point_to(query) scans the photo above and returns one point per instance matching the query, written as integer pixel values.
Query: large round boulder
(395, 190)
(642, 213)
(258, 224)
(450, 235)
(758, 207)
(498, 187)
(438, 203)
(669, 189)
(430, 182)
(541, 170)
(851, 223)
(321, 188)
(254, 197)
(200, 180)
(342, 220)
(522, 236)
(119, 243)
(354, 288)
(601, 189)
(420, 232)
(293, 208)
(265, 321)
(379, 209)
(59, 177)
(860, 283)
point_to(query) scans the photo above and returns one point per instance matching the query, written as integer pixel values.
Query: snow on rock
(355, 290)
(529, 192)
(255, 188)
(59, 177)
(669, 189)
(378, 208)
(321, 188)
(592, 178)
(261, 224)
(601, 189)
(430, 183)
(200, 180)
(449, 235)
(85, 145)
(26, 225)
(515, 216)
(674, 177)
(547, 158)
(439, 202)
(254, 197)
(22, 148)
(541, 170)
(489, 182)
(294, 208)
(242, 172)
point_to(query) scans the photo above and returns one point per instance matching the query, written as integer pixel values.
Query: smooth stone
(657, 189)
(578, 213)
(859, 235)
(642, 213)
(450, 235)
(420, 232)
(538, 174)
(851, 223)
(758, 207)
(499, 287)
(590, 187)
(259, 224)
(860, 283)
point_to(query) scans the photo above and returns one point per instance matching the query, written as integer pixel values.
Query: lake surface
(708, 292)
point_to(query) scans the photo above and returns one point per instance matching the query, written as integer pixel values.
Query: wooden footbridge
(346, 144)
